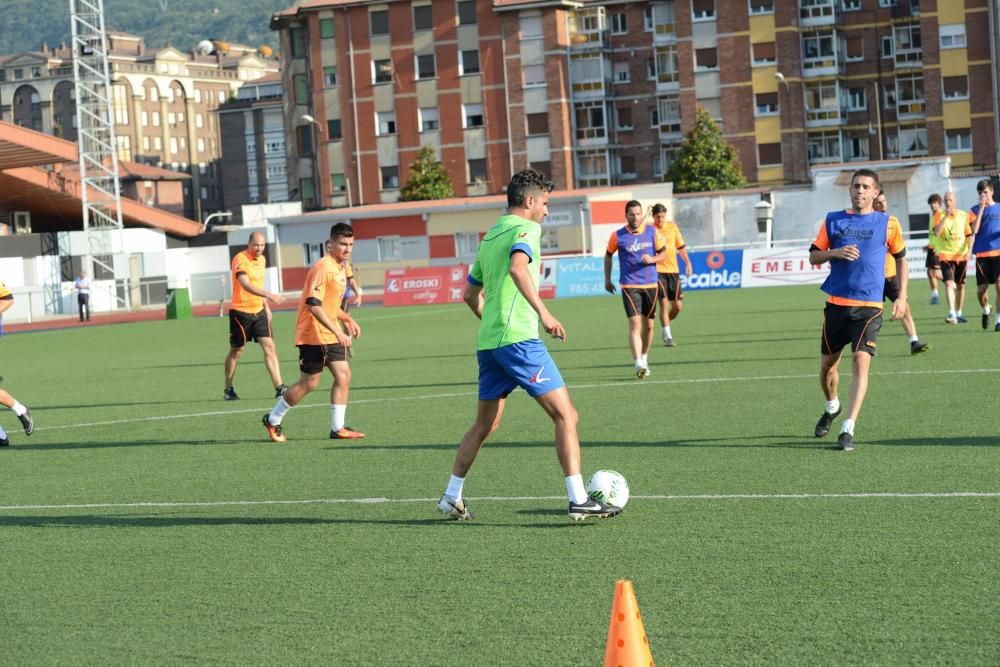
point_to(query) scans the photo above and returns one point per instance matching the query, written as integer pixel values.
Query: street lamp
(217, 214)
(317, 188)
(763, 213)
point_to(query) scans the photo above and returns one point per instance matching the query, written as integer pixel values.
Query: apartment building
(163, 104)
(601, 92)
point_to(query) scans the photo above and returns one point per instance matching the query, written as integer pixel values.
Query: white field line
(427, 397)
(515, 499)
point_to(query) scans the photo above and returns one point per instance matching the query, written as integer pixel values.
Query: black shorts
(932, 261)
(314, 358)
(639, 301)
(857, 325)
(987, 270)
(891, 289)
(669, 285)
(247, 327)
(951, 270)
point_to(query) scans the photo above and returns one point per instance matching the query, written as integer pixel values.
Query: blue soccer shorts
(526, 364)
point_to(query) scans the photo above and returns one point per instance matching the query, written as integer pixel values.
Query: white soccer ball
(608, 486)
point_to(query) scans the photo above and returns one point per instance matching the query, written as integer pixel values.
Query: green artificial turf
(821, 568)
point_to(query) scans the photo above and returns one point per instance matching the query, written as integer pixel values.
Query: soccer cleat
(346, 433)
(592, 507)
(670, 342)
(456, 510)
(985, 321)
(230, 394)
(27, 422)
(280, 390)
(273, 430)
(916, 347)
(823, 425)
(845, 442)
(996, 327)
(4, 442)
(935, 299)
(951, 319)
(961, 319)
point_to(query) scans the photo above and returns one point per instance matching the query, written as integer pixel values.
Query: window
(338, 183)
(767, 104)
(626, 167)
(822, 101)
(466, 243)
(650, 69)
(157, 144)
(851, 5)
(955, 87)
(472, 115)
(333, 129)
(297, 36)
(468, 62)
(386, 122)
(912, 142)
(761, 6)
(390, 178)
(379, 22)
(173, 145)
(654, 117)
(171, 118)
(429, 119)
(823, 147)
(330, 76)
(817, 46)
(664, 19)
(856, 147)
(201, 145)
(199, 120)
(621, 72)
(425, 66)
(887, 50)
(145, 143)
(422, 18)
(910, 94)
(303, 139)
(590, 120)
(388, 248)
(124, 147)
(619, 26)
(958, 141)
(382, 71)
(531, 26)
(854, 49)
(952, 36)
(120, 104)
(702, 10)
(18, 73)
(857, 99)
(467, 12)
(657, 166)
(706, 59)
(312, 252)
(768, 154)
(763, 53)
(538, 123)
(301, 89)
(544, 168)
(669, 112)
(623, 117)
(144, 118)
(534, 75)
(647, 19)
(477, 172)
(907, 44)
(886, 3)
(326, 28)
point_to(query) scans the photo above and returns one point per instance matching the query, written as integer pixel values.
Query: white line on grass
(396, 501)
(427, 397)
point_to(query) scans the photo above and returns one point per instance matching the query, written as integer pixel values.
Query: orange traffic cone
(627, 643)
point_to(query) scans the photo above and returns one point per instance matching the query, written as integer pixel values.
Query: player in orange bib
(250, 314)
(668, 274)
(892, 279)
(323, 334)
(22, 411)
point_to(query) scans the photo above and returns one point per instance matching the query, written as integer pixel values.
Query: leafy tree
(706, 161)
(428, 179)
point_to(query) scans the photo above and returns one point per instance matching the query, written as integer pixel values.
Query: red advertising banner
(431, 284)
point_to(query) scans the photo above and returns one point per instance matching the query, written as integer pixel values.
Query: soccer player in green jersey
(502, 291)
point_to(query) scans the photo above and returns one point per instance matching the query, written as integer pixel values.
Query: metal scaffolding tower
(100, 190)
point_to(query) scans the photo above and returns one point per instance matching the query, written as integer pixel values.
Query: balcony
(664, 33)
(904, 9)
(816, 67)
(907, 58)
(910, 109)
(817, 12)
(588, 29)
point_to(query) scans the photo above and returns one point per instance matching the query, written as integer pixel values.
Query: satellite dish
(205, 47)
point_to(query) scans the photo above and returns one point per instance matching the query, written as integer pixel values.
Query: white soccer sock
(455, 485)
(644, 360)
(951, 313)
(18, 408)
(575, 490)
(934, 292)
(986, 309)
(337, 415)
(666, 331)
(958, 313)
(278, 413)
(847, 426)
(3, 433)
(832, 406)
(914, 338)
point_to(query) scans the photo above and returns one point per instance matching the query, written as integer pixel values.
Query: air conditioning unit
(22, 222)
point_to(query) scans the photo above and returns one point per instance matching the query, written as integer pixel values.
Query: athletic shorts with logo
(640, 301)
(891, 289)
(932, 261)
(669, 285)
(857, 325)
(527, 365)
(247, 327)
(314, 358)
(955, 271)
(987, 270)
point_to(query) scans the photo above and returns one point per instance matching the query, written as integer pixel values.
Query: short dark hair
(659, 208)
(934, 198)
(870, 174)
(341, 229)
(527, 183)
(631, 204)
(984, 185)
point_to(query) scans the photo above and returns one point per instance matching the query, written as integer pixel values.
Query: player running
(639, 247)
(855, 243)
(502, 291)
(668, 275)
(953, 231)
(891, 291)
(21, 411)
(986, 246)
(321, 341)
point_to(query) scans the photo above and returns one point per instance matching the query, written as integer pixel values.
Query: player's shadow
(64, 406)
(935, 441)
(413, 386)
(28, 447)
(658, 363)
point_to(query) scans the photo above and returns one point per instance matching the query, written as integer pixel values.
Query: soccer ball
(608, 486)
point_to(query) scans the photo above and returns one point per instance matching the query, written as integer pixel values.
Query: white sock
(3, 433)
(832, 406)
(454, 489)
(934, 292)
(337, 415)
(951, 313)
(914, 339)
(958, 313)
(986, 309)
(575, 489)
(644, 360)
(18, 408)
(278, 413)
(666, 332)
(847, 426)
(998, 318)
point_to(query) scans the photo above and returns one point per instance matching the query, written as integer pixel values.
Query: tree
(706, 161)
(428, 179)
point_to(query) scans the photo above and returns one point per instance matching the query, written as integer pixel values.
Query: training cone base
(627, 642)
